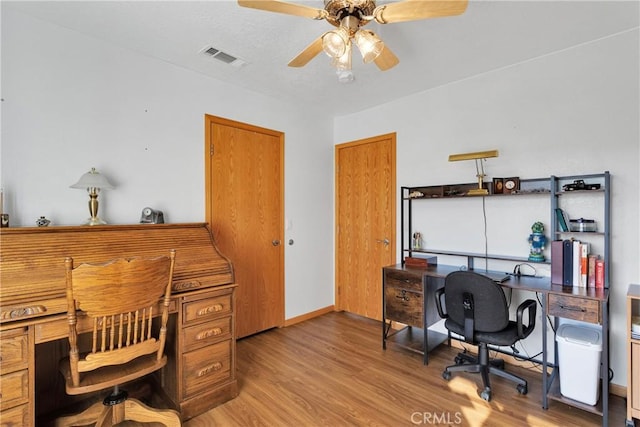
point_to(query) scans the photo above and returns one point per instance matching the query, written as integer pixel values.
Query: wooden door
(365, 222)
(244, 206)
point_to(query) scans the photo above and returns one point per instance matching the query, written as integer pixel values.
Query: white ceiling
(488, 36)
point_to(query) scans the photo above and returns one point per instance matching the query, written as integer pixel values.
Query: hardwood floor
(332, 371)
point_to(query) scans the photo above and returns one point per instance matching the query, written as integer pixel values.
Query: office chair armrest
(442, 311)
(531, 307)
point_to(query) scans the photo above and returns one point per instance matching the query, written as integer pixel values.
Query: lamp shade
(92, 179)
(369, 44)
(335, 42)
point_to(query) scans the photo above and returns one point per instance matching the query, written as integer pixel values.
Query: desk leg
(545, 376)
(605, 363)
(425, 324)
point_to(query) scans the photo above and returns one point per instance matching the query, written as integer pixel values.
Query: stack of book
(420, 261)
(635, 327)
(572, 264)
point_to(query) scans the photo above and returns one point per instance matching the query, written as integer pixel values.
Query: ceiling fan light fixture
(369, 44)
(343, 63)
(334, 43)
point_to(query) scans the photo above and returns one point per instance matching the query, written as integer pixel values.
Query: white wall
(572, 112)
(71, 102)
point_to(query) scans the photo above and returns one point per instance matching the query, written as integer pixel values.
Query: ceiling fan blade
(307, 54)
(412, 10)
(386, 59)
(284, 7)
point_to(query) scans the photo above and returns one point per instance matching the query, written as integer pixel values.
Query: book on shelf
(557, 264)
(591, 271)
(575, 267)
(563, 220)
(600, 273)
(584, 263)
(567, 263)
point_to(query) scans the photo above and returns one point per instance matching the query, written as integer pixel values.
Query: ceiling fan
(349, 16)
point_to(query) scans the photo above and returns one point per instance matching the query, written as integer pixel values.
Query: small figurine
(417, 240)
(537, 242)
(42, 222)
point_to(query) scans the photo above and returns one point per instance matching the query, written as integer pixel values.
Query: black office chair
(475, 308)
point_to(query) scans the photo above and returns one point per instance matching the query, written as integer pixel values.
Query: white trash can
(579, 352)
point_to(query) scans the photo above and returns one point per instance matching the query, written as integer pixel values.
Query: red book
(599, 273)
(591, 275)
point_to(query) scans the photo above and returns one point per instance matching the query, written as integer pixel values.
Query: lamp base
(478, 192)
(95, 221)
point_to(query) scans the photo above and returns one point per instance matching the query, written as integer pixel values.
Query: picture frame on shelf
(498, 185)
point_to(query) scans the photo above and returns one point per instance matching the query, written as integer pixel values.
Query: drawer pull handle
(214, 367)
(209, 333)
(211, 309)
(404, 296)
(572, 308)
(183, 286)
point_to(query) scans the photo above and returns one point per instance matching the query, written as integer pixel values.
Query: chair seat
(507, 336)
(110, 376)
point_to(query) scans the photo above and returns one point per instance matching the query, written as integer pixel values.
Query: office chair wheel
(446, 375)
(458, 360)
(486, 394)
(522, 389)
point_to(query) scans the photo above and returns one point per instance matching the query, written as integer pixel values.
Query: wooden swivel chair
(475, 308)
(118, 300)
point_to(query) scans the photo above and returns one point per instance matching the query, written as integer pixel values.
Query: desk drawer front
(14, 351)
(404, 306)
(14, 389)
(207, 333)
(403, 280)
(206, 367)
(18, 416)
(576, 308)
(208, 308)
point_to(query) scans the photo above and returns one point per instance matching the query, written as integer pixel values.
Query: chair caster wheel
(458, 360)
(486, 394)
(446, 375)
(522, 389)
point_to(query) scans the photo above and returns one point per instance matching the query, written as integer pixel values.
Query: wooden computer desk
(409, 298)
(200, 372)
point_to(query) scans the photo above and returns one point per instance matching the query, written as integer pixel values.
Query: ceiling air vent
(223, 56)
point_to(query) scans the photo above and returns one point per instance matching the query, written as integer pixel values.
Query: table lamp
(478, 157)
(93, 182)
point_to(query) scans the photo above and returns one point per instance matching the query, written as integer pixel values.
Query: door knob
(275, 242)
(385, 241)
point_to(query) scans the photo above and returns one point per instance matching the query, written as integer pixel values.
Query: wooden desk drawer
(207, 333)
(404, 306)
(18, 416)
(403, 280)
(14, 389)
(205, 367)
(14, 350)
(207, 308)
(577, 308)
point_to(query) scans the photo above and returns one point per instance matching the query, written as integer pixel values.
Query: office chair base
(130, 409)
(482, 364)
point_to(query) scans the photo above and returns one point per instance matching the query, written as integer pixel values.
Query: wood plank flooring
(332, 371)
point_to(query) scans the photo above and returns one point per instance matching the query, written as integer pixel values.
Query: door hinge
(211, 149)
